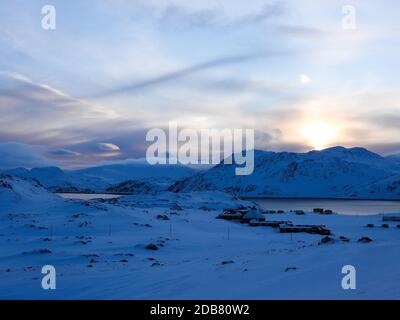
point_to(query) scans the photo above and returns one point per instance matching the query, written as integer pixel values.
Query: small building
(232, 214)
(266, 223)
(234, 211)
(252, 215)
(276, 224)
(312, 229)
(256, 223)
(391, 217)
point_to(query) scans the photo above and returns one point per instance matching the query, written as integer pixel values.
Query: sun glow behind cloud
(319, 135)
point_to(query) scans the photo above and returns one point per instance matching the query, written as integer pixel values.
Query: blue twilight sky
(88, 91)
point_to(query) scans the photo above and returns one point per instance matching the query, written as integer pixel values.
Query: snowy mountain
(138, 171)
(135, 187)
(331, 173)
(395, 158)
(100, 178)
(57, 180)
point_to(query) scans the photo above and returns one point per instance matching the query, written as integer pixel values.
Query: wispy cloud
(60, 152)
(181, 73)
(301, 31)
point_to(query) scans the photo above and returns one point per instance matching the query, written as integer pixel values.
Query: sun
(319, 135)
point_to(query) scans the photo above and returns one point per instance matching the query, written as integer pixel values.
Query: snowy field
(171, 246)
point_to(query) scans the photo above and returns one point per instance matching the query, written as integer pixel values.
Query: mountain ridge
(338, 172)
(100, 178)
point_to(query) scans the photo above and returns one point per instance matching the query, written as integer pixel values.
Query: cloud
(383, 148)
(174, 75)
(382, 119)
(38, 112)
(301, 31)
(63, 152)
(109, 147)
(14, 155)
(267, 11)
(183, 17)
(256, 86)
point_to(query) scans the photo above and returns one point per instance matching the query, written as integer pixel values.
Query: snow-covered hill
(16, 190)
(331, 173)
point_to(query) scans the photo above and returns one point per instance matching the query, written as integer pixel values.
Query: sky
(88, 91)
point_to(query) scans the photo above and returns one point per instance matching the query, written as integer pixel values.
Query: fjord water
(340, 206)
(88, 196)
(347, 207)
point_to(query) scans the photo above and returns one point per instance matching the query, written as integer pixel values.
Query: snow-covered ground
(100, 249)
